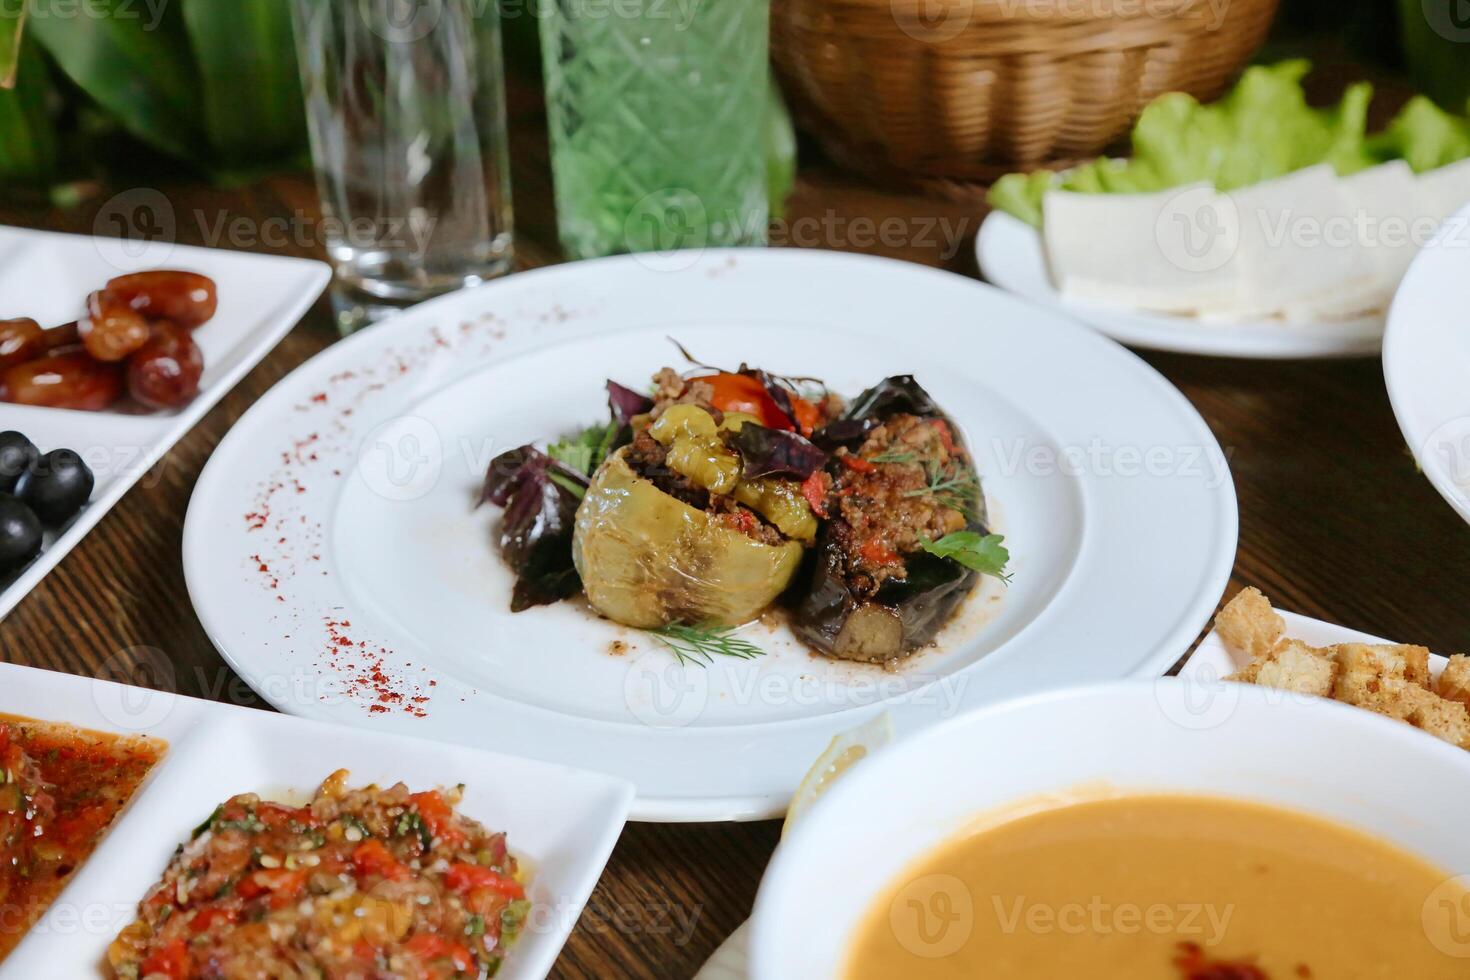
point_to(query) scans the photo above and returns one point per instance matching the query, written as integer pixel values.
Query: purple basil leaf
(844, 432)
(626, 403)
(506, 471)
(540, 497)
(900, 394)
(765, 452)
(779, 393)
(510, 470)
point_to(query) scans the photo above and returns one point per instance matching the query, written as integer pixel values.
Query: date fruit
(20, 340)
(68, 380)
(185, 298)
(164, 373)
(112, 329)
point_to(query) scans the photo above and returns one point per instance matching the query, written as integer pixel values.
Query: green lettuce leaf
(1262, 128)
(1424, 136)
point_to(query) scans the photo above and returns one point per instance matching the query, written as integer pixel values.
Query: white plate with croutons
(1303, 658)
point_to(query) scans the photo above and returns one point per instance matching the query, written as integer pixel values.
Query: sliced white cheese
(1136, 250)
(1297, 246)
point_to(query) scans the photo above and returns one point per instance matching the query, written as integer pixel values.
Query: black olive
(56, 487)
(17, 454)
(20, 533)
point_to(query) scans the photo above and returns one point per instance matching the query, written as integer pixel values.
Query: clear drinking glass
(405, 105)
(656, 111)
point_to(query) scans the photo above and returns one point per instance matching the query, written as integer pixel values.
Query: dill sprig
(700, 644)
(953, 485)
(895, 456)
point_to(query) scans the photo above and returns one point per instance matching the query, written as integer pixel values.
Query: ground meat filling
(669, 388)
(908, 482)
(647, 458)
(361, 884)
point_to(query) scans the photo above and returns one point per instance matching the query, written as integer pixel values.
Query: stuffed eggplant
(701, 508)
(725, 491)
(906, 538)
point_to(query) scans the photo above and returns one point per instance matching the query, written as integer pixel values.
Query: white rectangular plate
(47, 276)
(562, 822)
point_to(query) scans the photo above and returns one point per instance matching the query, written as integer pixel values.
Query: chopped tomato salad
(60, 789)
(360, 884)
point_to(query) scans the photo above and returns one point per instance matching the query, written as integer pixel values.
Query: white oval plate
(1011, 256)
(334, 557)
(1426, 361)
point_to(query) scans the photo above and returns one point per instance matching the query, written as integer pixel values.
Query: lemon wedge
(846, 750)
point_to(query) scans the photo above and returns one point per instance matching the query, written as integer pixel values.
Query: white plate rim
(1009, 255)
(255, 351)
(1410, 359)
(1186, 623)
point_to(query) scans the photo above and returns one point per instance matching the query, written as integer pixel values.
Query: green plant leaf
(12, 24)
(133, 59)
(27, 131)
(251, 89)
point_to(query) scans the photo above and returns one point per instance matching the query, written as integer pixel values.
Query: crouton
(1248, 625)
(1247, 674)
(1445, 720)
(1393, 661)
(1294, 666)
(1454, 683)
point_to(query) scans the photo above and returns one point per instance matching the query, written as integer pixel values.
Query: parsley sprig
(984, 553)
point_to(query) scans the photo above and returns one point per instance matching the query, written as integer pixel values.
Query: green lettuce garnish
(1262, 128)
(1424, 136)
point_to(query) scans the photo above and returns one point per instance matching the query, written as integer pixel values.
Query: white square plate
(47, 276)
(562, 822)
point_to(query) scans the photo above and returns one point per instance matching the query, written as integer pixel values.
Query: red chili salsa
(360, 884)
(60, 789)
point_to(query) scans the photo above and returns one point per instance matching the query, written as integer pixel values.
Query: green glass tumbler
(656, 111)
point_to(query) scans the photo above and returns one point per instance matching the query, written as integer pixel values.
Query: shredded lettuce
(1262, 128)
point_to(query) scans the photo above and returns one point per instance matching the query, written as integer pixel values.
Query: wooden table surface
(1335, 522)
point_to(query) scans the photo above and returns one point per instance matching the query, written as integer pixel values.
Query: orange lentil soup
(1166, 888)
(60, 789)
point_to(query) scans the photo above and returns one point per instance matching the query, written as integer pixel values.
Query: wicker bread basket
(963, 90)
